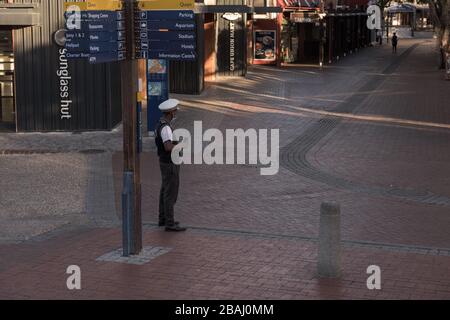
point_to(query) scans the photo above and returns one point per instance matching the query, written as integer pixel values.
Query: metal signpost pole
(129, 78)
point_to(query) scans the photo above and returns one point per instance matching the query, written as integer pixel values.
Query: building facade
(318, 32)
(41, 90)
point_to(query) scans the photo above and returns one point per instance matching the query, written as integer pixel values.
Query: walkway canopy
(401, 8)
(299, 4)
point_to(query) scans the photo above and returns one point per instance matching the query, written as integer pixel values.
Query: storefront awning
(305, 17)
(299, 4)
(19, 15)
(345, 14)
(401, 8)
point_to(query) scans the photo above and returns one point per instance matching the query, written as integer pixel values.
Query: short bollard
(329, 263)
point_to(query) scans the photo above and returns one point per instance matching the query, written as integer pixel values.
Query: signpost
(166, 35)
(126, 30)
(163, 35)
(132, 239)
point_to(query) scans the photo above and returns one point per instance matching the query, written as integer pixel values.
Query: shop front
(40, 88)
(302, 32)
(347, 33)
(242, 34)
(312, 34)
(231, 44)
(308, 34)
(7, 107)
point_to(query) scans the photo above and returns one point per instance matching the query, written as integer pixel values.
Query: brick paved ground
(255, 237)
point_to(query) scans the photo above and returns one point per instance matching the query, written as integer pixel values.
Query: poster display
(157, 66)
(265, 45)
(157, 89)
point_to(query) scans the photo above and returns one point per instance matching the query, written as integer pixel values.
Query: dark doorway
(309, 39)
(7, 100)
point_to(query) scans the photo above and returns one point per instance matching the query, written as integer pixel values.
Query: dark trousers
(394, 48)
(170, 174)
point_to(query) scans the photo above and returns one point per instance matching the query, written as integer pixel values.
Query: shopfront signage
(304, 17)
(232, 16)
(265, 45)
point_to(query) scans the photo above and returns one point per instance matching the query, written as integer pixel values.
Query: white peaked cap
(169, 105)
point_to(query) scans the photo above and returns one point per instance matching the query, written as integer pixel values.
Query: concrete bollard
(127, 213)
(329, 262)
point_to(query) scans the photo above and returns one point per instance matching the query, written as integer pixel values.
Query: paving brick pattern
(212, 266)
(255, 237)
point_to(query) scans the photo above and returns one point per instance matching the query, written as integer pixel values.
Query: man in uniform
(170, 173)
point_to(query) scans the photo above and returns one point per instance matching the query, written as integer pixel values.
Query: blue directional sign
(95, 47)
(171, 35)
(97, 35)
(170, 25)
(163, 36)
(166, 35)
(184, 56)
(102, 25)
(106, 57)
(159, 15)
(168, 45)
(77, 55)
(97, 15)
(94, 36)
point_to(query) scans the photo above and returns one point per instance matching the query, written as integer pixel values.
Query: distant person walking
(379, 37)
(394, 43)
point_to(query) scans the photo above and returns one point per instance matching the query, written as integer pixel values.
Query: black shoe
(175, 228)
(163, 223)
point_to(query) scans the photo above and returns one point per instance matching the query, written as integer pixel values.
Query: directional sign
(101, 25)
(166, 15)
(95, 30)
(96, 15)
(166, 5)
(94, 36)
(77, 55)
(95, 47)
(180, 56)
(106, 57)
(107, 46)
(171, 35)
(166, 35)
(169, 25)
(175, 46)
(96, 5)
